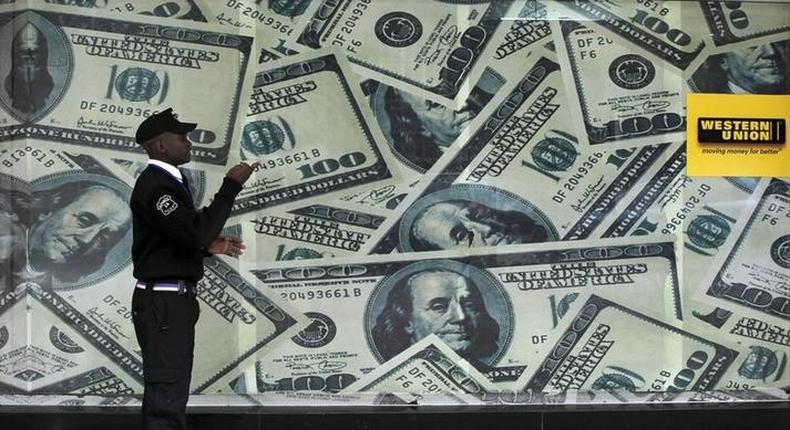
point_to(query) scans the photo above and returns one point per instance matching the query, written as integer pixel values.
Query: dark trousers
(164, 322)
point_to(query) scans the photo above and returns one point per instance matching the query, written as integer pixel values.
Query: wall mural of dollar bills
(455, 199)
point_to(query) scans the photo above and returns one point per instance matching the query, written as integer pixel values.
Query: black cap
(162, 122)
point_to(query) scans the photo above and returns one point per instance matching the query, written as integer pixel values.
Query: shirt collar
(169, 168)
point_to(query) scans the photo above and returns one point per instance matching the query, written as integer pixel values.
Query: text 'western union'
(740, 130)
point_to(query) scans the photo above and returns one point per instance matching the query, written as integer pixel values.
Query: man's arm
(175, 218)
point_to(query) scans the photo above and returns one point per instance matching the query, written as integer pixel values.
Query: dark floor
(702, 419)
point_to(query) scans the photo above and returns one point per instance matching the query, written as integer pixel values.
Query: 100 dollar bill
(496, 309)
(111, 73)
(310, 129)
(640, 103)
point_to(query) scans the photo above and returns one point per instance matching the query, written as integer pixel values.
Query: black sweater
(170, 236)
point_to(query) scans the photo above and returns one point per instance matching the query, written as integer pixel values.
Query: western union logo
(741, 130)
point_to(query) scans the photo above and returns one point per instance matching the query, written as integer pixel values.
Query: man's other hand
(227, 245)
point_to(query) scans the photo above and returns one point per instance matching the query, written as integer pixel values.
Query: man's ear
(409, 329)
(44, 215)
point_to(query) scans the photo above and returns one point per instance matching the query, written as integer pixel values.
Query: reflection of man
(14, 216)
(467, 224)
(74, 228)
(29, 82)
(441, 302)
(754, 69)
(420, 128)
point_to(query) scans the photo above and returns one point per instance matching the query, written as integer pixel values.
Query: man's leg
(165, 328)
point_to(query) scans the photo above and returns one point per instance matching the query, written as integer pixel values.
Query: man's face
(443, 304)
(451, 225)
(177, 148)
(441, 123)
(87, 226)
(757, 69)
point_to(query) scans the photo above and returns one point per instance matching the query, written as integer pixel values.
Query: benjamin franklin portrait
(76, 225)
(451, 300)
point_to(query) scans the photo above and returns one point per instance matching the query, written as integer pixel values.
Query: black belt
(179, 286)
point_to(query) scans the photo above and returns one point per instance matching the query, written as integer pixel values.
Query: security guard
(171, 238)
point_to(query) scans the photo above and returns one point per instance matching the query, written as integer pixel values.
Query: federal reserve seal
(780, 251)
(555, 152)
(398, 29)
(137, 84)
(631, 72)
(708, 231)
(319, 333)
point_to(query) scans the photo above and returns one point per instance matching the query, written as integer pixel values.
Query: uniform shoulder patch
(166, 204)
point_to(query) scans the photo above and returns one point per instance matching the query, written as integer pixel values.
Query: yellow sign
(737, 135)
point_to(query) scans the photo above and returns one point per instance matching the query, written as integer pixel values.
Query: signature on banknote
(266, 183)
(648, 106)
(114, 327)
(100, 125)
(323, 365)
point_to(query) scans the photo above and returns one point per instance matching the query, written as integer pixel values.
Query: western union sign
(737, 135)
(741, 130)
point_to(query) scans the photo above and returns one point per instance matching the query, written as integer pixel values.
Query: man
(436, 301)
(74, 228)
(751, 70)
(170, 239)
(467, 224)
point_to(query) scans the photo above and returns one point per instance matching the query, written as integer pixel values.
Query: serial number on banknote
(91, 105)
(335, 293)
(293, 158)
(653, 5)
(253, 13)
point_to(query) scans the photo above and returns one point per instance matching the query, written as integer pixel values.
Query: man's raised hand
(242, 171)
